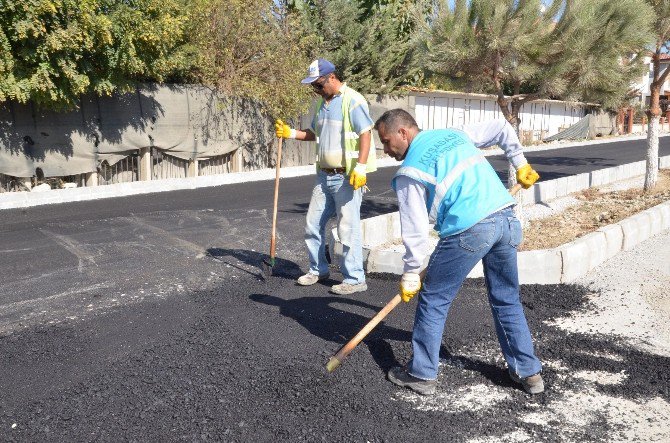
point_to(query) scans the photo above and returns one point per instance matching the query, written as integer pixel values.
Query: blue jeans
(333, 195)
(494, 241)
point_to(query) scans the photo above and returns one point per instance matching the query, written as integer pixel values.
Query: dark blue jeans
(494, 241)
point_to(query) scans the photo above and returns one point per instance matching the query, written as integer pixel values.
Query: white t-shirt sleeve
(497, 132)
(414, 223)
(360, 117)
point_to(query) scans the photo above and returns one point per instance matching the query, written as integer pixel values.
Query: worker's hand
(357, 179)
(410, 283)
(283, 130)
(526, 176)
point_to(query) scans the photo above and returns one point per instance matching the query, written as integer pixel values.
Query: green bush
(52, 51)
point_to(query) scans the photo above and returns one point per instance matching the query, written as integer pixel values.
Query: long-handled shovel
(269, 264)
(335, 360)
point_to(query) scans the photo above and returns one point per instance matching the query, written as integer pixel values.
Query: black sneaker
(532, 384)
(401, 377)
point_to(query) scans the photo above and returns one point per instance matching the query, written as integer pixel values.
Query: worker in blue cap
(342, 129)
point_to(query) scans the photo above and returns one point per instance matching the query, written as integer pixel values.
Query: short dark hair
(336, 73)
(395, 118)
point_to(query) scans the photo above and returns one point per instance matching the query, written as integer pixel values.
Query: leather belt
(333, 170)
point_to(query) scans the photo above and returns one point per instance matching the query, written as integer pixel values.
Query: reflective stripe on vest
(462, 188)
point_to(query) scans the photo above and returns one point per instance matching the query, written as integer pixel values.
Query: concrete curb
(12, 200)
(562, 264)
(560, 187)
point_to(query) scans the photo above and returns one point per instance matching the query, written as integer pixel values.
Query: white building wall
(645, 82)
(438, 110)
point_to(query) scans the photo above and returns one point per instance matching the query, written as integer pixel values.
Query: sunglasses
(319, 86)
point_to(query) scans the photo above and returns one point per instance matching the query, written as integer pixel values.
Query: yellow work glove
(357, 179)
(283, 130)
(526, 176)
(410, 283)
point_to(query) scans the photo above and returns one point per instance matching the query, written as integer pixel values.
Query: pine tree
(370, 42)
(661, 46)
(523, 50)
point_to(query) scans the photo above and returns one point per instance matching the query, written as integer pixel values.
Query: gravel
(557, 205)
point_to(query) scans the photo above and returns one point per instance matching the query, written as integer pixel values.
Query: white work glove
(410, 283)
(357, 179)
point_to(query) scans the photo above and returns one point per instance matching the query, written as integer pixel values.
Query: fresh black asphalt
(148, 318)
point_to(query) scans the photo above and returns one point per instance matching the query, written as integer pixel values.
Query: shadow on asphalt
(282, 268)
(601, 162)
(494, 373)
(321, 318)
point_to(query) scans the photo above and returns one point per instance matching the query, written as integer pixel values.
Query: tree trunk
(651, 174)
(654, 113)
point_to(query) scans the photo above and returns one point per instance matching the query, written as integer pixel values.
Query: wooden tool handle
(273, 242)
(516, 188)
(351, 344)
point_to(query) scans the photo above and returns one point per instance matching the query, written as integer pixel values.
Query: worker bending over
(444, 178)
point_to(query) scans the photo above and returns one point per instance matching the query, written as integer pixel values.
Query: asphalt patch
(216, 365)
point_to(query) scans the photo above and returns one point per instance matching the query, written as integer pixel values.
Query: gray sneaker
(309, 278)
(532, 384)
(347, 288)
(401, 377)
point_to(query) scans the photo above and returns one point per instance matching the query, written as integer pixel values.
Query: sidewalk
(618, 344)
(629, 301)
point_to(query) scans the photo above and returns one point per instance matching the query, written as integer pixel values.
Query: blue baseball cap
(318, 68)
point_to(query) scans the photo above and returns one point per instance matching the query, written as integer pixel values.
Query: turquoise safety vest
(462, 186)
(350, 139)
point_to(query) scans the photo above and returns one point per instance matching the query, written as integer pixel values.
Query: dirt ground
(598, 209)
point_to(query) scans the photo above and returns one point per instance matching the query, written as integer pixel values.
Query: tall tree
(252, 49)
(369, 42)
(563, 49)
(661, 46)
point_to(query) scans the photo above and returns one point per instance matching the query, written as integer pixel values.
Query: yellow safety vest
(350, 139)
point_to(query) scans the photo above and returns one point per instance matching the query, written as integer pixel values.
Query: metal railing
(163, 166)
(77, 179)
(16, 184)
(123, 171)
(167, 166)
(220, 164)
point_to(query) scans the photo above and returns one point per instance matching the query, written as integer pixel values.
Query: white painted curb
(562, 264)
